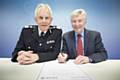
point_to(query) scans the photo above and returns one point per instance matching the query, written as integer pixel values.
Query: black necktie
(42, 34)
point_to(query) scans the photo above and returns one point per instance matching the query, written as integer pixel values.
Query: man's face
(78, 23)
(43, 19)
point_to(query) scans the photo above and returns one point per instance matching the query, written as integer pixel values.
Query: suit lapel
(35, 34)
(86, 41)
(73, 43)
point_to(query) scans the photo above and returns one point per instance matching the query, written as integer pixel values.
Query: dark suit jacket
(47, 47)
(93, 46)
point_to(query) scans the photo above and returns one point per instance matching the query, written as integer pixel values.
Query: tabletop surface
(52, 70)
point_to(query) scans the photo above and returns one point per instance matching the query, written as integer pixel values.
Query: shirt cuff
(90, 60)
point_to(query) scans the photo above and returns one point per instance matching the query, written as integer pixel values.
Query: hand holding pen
(62, 57)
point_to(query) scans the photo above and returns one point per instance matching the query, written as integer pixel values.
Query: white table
(52, 70)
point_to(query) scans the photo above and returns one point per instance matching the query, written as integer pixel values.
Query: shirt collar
(39, 31)
(82, 33)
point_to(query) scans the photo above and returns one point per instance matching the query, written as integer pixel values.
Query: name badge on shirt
(51, 41)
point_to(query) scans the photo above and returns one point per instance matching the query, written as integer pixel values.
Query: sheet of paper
(67, 71)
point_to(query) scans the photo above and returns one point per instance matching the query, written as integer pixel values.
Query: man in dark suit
(38, 43)
(82, 44)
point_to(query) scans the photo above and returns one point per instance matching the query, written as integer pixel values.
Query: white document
(65, 71)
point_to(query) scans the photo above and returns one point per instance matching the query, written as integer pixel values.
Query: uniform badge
(51, 41)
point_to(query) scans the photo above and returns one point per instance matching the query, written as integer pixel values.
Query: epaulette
(29, 26)
(57, 27)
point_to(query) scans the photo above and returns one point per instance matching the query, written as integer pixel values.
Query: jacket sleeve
(64, 45)
(100, 54)
(19, 46)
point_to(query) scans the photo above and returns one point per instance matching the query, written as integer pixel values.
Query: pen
(62, 54)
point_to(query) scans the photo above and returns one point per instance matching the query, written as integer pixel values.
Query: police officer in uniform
(38, 43)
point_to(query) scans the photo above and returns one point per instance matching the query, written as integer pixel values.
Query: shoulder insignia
(57, 27)
(29, 26)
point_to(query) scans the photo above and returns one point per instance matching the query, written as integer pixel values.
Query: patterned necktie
(79, 45)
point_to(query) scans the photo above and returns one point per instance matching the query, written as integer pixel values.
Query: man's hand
(27, 57)
(62, 57)
(81, 60)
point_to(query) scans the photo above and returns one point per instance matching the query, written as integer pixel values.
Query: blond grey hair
(79, 12)
(46, 6)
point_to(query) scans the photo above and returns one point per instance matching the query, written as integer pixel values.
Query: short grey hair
(79, 12)
(46, 6)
